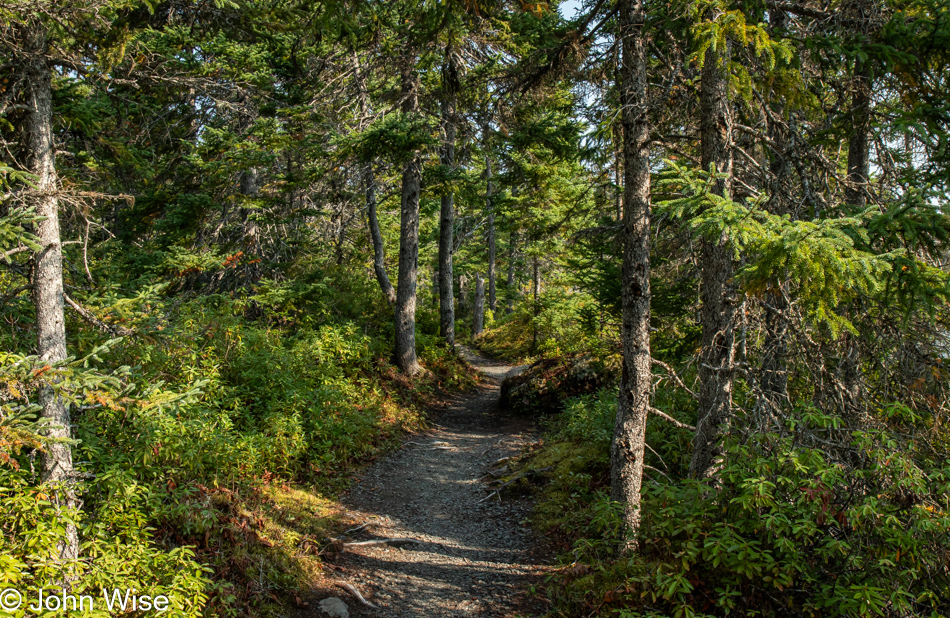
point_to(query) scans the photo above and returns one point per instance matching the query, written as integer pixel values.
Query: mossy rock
(543, 387)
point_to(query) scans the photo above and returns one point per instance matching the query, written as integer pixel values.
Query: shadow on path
(473, 556)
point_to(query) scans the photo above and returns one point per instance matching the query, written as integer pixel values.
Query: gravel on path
(474, 557)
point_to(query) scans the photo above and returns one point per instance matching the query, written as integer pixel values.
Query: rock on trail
(334, 607)
(473, 556)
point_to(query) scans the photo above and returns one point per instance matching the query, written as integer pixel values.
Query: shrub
(790, 532)
(791, 528)
(193, 446)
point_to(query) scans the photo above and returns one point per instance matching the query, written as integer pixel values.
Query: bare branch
(112, 329)
(670, 419)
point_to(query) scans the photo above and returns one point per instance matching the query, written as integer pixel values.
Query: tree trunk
(716, 366)
(369, 187)
(39, 150)
(447, 223)
(636, 382)
(251, 232)
(510, 282)
(478, 315)
(858, 150)
(490, 234)
(405, 314)
(856, 193)
(463, 296)
(536, 293)
(618, 171)
(379, 249)
(774, 374)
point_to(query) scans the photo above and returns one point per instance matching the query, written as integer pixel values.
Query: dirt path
(473, 556)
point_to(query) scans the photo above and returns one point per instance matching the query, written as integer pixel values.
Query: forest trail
(474, 556)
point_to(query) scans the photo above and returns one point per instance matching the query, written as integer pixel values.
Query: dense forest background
(241, 240)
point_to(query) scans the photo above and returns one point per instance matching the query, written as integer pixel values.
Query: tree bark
(536, 293)
(379, 249)
(447, 222)
(618, 170)
(510, 282)
(463, 296)
(490, 233)
(627, 449)
(774, 373)
(369, 188)
(856, 194)
(716, 366)
(405, 313)
(39, 150)
(478, 315)
(858, 150)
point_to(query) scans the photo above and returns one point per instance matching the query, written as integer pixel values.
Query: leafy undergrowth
(261, 543)
(510, 340)
(558, 325)
(788, 531)
(211, 455)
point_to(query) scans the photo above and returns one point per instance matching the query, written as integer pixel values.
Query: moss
(569, 463)
(574, 513)
(509, 340)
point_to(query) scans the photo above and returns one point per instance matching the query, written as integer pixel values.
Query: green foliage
(732, 26)
(787, 520)
(115, 533)
(181, 440)
(559, 323)
(399, 135)
(915, 228)
(589, 418)
(19, 428)
(787, 528)
(211, 441)
(13, 229)
(820, 256)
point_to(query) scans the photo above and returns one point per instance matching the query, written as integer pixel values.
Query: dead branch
(6, 255)
(360, 527)
(670, 419)
(356, 593)
(658, 472)
(395, 542)
(13, 294)
(112, 329)
(674, 376)
(657, 455)
(85, 253)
